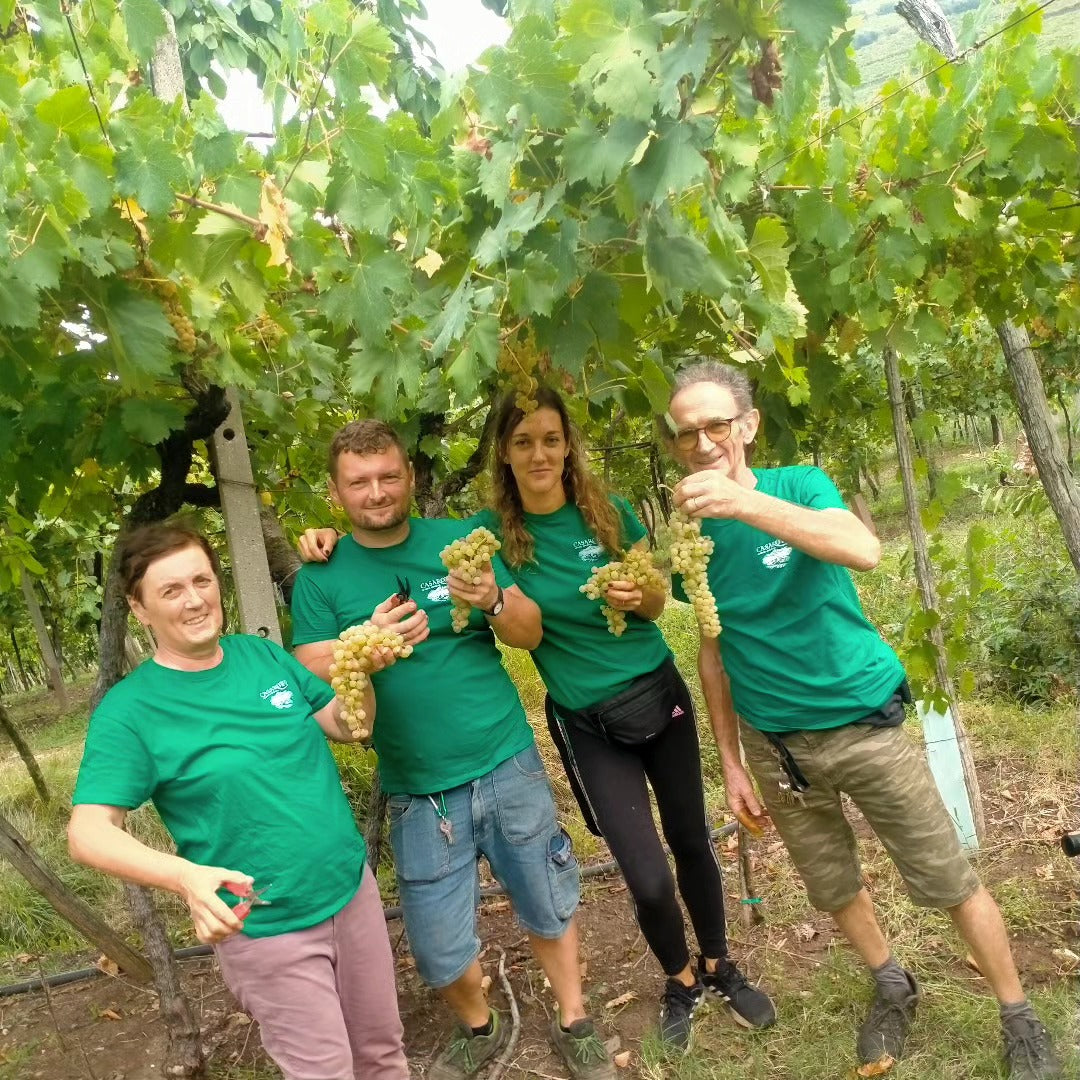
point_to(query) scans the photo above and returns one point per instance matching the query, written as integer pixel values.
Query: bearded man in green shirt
(818, 698)
(456, 754)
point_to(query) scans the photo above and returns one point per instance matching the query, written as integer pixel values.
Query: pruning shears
(249, 898)
(404, 590)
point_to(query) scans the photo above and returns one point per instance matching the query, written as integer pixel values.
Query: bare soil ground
(108, 1029)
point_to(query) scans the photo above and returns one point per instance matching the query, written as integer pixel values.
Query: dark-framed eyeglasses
(718, 430)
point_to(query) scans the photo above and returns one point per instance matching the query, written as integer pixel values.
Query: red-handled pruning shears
(248, 898)
(404, 591)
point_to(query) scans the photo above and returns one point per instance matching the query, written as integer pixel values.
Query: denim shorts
(507, 815)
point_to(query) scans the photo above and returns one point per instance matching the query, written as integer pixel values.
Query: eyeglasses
(718, 431)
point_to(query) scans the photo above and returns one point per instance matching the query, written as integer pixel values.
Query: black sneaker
(468, 1053)
(582, 1050)
(1029, 1053)
(885, 1029)
(677, 1013)
(750, 1006)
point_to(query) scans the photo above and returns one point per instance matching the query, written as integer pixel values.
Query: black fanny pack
(638, 713)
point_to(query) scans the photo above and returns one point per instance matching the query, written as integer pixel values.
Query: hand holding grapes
(480, 594)
(710, 494)
(624, 596)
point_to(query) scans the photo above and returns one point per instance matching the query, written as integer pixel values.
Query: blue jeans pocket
(564, 874)
(523, 797)
(421, 851)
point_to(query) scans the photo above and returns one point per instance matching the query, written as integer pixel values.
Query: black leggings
(608, 780)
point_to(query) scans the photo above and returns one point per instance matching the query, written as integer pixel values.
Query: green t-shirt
(796, 645)
(239, 771)
(449, 712)
(580, 662)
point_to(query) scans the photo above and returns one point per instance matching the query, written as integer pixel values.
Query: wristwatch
(500, 603)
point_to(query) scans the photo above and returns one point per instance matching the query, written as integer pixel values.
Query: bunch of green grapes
(468, 556)
(636, 567)
(689, 552)
(352, 664)
(517, 361)
(169, 295)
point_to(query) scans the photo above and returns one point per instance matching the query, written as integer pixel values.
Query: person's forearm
(652, 603)
(316, 657)
(518, 624)
(835, 536)
(116, 852)
(714, 686)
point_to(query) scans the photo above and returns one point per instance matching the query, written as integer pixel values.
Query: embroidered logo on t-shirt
(589, 550)
(677, 711)
(437, 590)
(775, 555)
(281, 697)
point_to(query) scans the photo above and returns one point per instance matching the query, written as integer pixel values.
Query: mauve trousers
(324, 997)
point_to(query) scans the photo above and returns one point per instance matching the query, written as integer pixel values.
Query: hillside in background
(884, 43)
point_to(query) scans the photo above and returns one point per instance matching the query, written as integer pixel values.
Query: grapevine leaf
(814, 21)
(18, 303)
(769, 256)
(139, 336)
(532, 288)
(600, 156)
(672, 162)
(69, 110)
(477, 357)
(150, 173)
(150, 420)
(145, 24)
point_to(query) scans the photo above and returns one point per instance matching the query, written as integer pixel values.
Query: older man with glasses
(818, 699)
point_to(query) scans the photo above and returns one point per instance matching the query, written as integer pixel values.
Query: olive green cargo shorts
(888, 779)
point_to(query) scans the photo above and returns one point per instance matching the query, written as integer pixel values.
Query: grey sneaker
(750, 1006)
(582, 1050)
(467, 1053)
(677, 1013)
(885, 1029)
(1029, 1053)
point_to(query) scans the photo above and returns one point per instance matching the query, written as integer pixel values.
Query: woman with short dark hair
(227, 737)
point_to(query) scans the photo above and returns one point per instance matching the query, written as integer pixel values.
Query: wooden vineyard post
(14, 848)
(243, 527)
(945, 735)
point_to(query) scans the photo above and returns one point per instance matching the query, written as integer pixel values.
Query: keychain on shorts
(446, 826)
(792, 782)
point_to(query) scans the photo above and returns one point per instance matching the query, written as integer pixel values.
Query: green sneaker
(583, 1050)
(467, 1053)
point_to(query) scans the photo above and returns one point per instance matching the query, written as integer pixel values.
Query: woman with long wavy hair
(619, 713)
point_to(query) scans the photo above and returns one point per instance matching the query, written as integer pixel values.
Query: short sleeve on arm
(315, 691)
(313, 618)
(630, 528)
(503, 576)
(819, 492)
(116, 769)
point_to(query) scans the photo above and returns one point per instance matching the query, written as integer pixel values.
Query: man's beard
(371, 524)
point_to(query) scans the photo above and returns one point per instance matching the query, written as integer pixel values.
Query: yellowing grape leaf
(274, 216)
(622, 999)
(136, 215)
(876, 1068)
(429, 262)
(110, 967)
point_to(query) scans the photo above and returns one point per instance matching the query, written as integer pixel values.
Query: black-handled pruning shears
(404, 591)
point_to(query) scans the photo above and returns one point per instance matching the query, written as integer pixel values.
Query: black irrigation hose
(391, 913)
